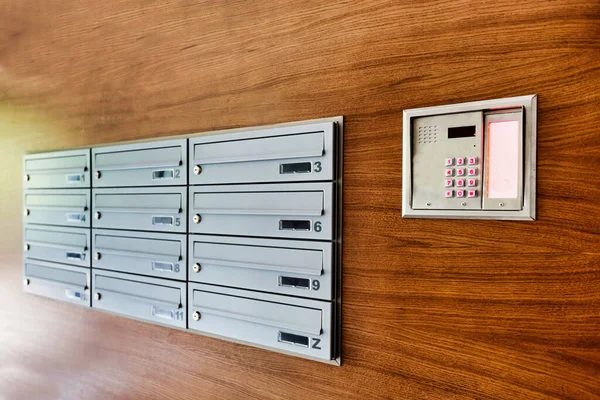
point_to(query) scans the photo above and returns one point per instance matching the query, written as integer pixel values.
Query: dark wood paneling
(432, 309)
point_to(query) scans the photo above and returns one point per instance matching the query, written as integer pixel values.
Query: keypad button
(449, 182)
(449, 193)
(449, 162)
(460, 183)
(460, 193)
(449, 172)
(473, 160)
(472, 182)
(460, 172)
(472, 193)
(473, 171)
(460, 161)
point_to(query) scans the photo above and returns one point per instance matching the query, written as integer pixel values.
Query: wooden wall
(432, 309)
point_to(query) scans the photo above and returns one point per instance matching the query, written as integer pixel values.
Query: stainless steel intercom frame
(529, 124)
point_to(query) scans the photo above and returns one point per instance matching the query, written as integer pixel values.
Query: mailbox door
(285, 323)
(157, 300)
(57, 207)
(57, 281)
(61, 245)
(60, 170)
(289, 154)
(161, 255)
(161, 163)
(288, 267)
(299, 211)
(161, 209)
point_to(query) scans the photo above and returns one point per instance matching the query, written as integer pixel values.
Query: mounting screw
(463, 204)
(196, 316)
(97, 215)
(197, 170)
(26, 281)
(428, 204)
(26, 212)
(197, 218)
(27, 177)
(97, 256)
(197, 267)
(501, 204)
(98, 174)
(26, 247)
(97, 296)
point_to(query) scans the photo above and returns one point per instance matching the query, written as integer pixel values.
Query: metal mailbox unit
(56, 225)
(256, 212)
(265, 243)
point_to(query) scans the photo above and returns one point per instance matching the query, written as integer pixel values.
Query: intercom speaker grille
(427, 134)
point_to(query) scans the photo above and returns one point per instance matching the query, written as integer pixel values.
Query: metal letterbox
(161, 163)
(57, 281)
(285, 323)
(66, 207)
(162, 255)
(161, 209)
(298, 268)
(287, 154)
(300, 211)
(158, 300)
(62, 169)
(57, 244)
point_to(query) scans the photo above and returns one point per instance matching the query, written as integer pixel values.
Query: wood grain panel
(432, 309)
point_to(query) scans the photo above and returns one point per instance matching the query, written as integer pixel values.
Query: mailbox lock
(26, 212)
(196, 316)
(98, 174)
(26, 247)
(97, 256)
(97, 215)
(27, 177)
(97, 296)
(197, 218)
(197, 170)
(197, 267)
(26, 281)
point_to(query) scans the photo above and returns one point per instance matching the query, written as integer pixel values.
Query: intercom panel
(471, 160)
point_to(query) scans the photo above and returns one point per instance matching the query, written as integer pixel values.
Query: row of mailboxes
(288, 154)
(226, 232)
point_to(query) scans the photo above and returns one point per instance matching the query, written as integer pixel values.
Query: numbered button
(449, 193)
(460, 183)
(460, 193)
(449, 172)
(473, 160)
(472, 193)
(472, 182)
(460, 172)
(473, 171)
(449, 182)
(449, 162)
(460, 161)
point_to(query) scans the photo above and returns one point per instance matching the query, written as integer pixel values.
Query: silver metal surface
(528, 210)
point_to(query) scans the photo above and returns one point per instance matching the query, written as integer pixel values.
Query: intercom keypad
(453, 169)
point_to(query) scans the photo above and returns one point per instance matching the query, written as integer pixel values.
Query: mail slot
(161, 163)
(285, 323)
(63, 169)
(162, 255)
(57, 207)
(160, 209)
(302, 211)
(289, 267)
(289, 154)
(158, 300)
(62, 245)
(57, 281)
